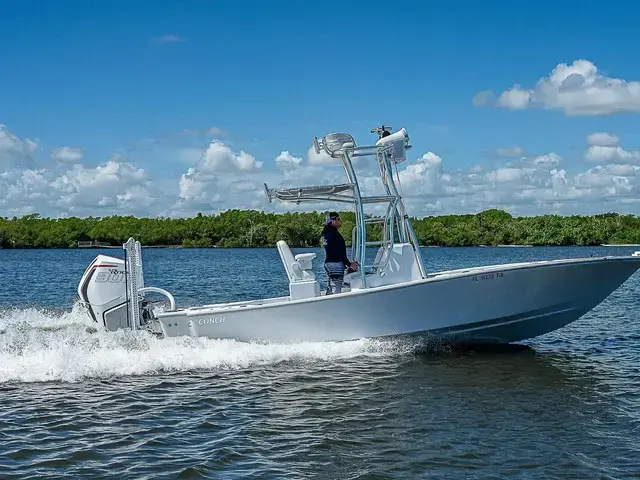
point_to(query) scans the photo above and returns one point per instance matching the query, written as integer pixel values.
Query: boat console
(389, 150)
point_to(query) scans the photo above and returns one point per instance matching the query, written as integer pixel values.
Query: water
(88, 404)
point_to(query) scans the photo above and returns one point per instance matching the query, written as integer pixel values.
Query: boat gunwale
(434, 277)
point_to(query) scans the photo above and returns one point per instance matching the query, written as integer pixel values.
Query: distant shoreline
(620, 245)
(257, 229)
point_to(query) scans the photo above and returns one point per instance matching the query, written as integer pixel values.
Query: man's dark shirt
(334, 246)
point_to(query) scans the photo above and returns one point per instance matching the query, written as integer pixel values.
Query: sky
(158, 108)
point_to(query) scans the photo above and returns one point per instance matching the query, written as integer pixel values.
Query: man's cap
(331, 216)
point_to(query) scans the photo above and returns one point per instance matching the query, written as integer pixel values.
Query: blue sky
(101, 78)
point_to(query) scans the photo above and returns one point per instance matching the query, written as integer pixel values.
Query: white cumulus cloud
(425, 172)
(221, 178)
(79, 190)
(286, 161)
(15, 153)
(510, 152)
(322, 158)
(604, 148)
(515, 98)
(67, 154)
(547, 160)
(575, 89)
(206, 185)
(602, 139)
(218, 157)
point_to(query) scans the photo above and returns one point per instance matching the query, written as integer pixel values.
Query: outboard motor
(103, 290)
(113, 291)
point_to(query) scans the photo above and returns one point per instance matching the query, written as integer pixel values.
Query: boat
(393, 295)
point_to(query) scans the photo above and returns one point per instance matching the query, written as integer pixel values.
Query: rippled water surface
(84, 404)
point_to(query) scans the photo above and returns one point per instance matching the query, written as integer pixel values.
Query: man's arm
(348, 263)
(343, 247)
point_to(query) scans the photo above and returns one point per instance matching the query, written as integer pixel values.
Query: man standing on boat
(336, 260)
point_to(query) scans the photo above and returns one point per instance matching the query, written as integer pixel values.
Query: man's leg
(335, 277)
(337, 283)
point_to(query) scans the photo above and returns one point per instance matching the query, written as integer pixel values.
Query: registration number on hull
(487, 276)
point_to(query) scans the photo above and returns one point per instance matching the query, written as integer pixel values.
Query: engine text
(113, 275)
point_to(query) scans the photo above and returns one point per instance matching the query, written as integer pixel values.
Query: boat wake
(40, 346)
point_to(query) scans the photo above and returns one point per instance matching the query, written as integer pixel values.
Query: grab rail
(161, 291)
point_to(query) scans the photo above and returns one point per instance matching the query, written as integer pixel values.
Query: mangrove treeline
(242, 228)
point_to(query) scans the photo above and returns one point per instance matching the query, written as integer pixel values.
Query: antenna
(382, 131)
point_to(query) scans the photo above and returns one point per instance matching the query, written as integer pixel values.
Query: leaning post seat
(302, 279)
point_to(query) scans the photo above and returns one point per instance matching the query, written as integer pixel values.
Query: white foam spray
(37, 346)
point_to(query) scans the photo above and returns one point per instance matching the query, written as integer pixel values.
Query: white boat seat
(298, 268)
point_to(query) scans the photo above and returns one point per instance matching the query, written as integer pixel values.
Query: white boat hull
(494, 304)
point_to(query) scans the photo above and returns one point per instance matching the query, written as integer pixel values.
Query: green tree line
(249, 228)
